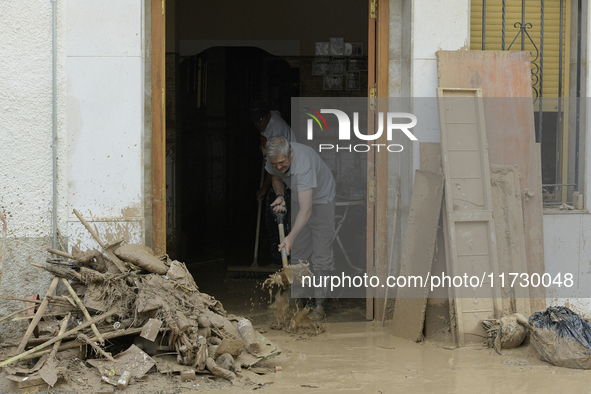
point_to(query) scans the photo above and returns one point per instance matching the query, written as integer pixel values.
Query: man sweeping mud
(312, 205)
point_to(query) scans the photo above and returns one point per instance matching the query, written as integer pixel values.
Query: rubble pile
(133, 311)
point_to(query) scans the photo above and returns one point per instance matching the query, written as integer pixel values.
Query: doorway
(214, 68)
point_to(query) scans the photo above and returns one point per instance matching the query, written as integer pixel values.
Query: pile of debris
(131, 295)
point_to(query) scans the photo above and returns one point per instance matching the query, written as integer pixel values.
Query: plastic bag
(561, 337)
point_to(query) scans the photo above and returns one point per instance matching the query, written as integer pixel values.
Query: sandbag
(507, 332)
(143, 257)
(561, 337)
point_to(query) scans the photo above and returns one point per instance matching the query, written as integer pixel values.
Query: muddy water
(360, 357)
(357, 357)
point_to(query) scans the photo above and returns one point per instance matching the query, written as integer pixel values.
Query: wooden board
(471, 238)
(417, 254)
(508, 215)
(510, 131)
(439, 309)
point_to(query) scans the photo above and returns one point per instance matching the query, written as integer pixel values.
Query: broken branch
(60, 253)
(17, 312)
(58, 338)
(76, 343)
(38, 315)
(61, 272)
(120, 265)
(84, 310)
(62, 330)
(96, 347)
(20, 299)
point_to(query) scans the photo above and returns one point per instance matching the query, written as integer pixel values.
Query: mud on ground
(353, 355)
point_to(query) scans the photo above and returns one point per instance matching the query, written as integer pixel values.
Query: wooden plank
(417, 254)
(383, 43)
(471, 240)
(439, 310)
(158, 128)
(430, 157)
(508, 214)
(510, 131)
(534, 227)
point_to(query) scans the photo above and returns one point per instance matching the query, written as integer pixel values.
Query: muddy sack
(561, 337)
(507, 332)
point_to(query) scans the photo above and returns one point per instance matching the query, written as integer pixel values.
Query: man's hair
(277, 145)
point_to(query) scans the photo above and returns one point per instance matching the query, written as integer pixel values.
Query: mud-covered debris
(147, 313)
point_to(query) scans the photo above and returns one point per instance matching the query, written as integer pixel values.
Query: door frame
(377, 166)
(377, 162)
(158, 47)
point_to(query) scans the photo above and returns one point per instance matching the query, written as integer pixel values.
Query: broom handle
(283, 251)
(391, 259)
(256, 240)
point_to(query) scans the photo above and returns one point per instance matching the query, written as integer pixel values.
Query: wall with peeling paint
(100, 105)
(105, 91)
(26, 179)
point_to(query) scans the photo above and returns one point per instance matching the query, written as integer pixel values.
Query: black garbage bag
(561, 337)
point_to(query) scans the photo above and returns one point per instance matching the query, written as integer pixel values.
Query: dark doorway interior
(218, 150)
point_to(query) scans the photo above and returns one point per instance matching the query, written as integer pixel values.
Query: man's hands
(287, 242)
(279, 205)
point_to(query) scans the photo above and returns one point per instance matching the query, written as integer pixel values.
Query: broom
(254, 271)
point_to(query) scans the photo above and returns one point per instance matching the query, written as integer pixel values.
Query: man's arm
(305, 200)
(279, 188)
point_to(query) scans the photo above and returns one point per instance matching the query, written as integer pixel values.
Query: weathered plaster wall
(567, 250)
(105, 109)
(26, 179)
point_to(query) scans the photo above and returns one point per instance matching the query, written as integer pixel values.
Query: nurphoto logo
(392, 120)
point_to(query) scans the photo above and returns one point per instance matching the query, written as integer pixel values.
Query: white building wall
(436, 25)
(100, 107)
(567, 251)
(105, 69)
(26, 178)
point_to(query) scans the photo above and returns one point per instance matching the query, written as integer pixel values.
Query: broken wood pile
(128, 298)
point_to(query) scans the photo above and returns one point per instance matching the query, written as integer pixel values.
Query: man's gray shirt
(307, 171)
